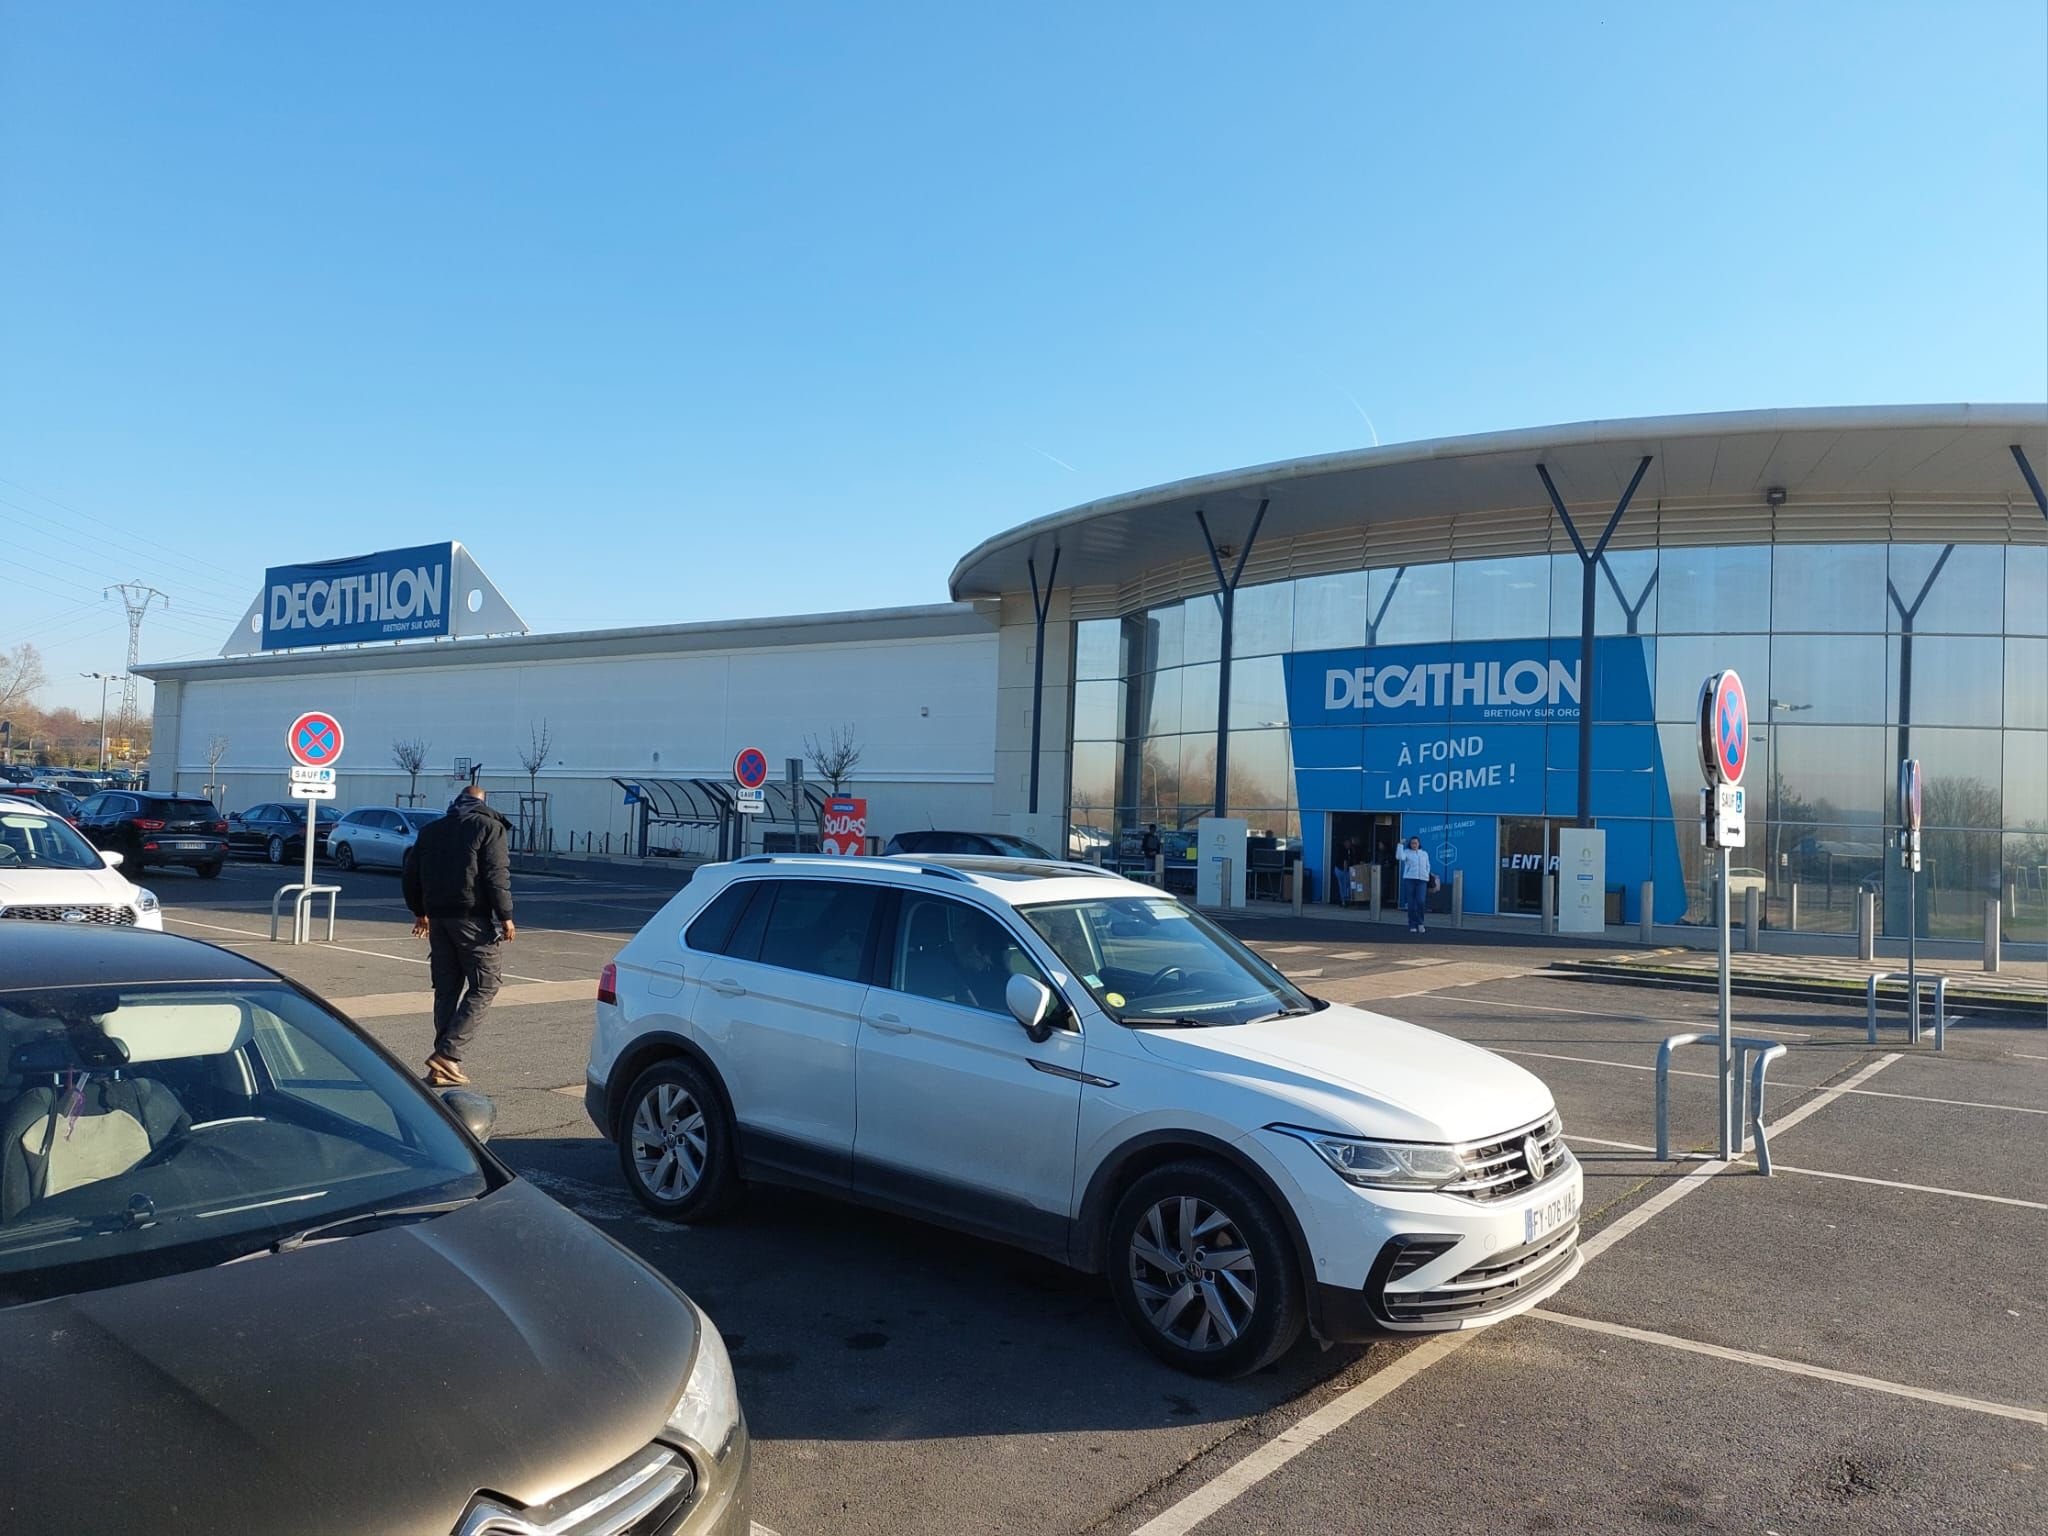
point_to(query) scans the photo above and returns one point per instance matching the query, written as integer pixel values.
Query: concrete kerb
(1850, 994)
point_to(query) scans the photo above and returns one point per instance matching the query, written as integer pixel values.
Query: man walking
(1414, 883)
(458, 883)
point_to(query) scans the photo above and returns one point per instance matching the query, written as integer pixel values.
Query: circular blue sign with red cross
(315, 739)
(1729, 728)
(750, 768)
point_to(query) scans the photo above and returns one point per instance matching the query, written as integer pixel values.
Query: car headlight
(708, 1414)
(145, 901)
(1383, 1164)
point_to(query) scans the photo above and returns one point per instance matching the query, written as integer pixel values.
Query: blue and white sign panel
(396, 594)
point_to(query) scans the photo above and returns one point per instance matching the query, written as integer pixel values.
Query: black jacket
(461, 866)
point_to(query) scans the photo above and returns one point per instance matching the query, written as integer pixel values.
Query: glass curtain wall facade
(1442, 700)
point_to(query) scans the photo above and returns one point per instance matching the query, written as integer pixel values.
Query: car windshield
(1017, 847)
(149, 1129)
(32, 839)
(417, 819)
(1148, 959)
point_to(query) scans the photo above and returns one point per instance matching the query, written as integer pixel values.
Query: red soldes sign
(843, 828)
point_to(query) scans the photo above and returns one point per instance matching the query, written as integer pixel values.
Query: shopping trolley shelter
(1857, 1342)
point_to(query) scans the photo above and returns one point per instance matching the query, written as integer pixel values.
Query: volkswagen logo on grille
(1532, 1154)
(72, 915)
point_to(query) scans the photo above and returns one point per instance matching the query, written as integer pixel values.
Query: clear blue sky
(680, 312)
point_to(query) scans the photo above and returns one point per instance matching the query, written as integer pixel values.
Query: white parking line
(1179, 1518)
(1867, 1093)
(1631, 1018)
(374, 954)
(1795, 1367)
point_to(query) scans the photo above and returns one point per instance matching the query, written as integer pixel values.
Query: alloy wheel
(670, 1141)
(277, 850)
(1193, 1273)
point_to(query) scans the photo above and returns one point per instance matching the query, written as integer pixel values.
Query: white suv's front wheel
(1203, 1271)
(676, 1143)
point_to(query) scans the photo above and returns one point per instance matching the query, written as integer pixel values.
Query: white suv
(1064, 1060)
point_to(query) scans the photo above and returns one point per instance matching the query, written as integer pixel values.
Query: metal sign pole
(1912, 954)
(302, 923)
(1728, 1140)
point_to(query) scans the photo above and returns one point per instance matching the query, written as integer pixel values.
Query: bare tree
(21, 675)
(216, 749)
(410, 754)
(835, 759)
(534, 755)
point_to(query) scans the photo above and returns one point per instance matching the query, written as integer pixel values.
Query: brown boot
(443, 1073)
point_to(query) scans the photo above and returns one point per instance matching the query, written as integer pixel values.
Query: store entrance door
(1367, 839)
(1525, 853)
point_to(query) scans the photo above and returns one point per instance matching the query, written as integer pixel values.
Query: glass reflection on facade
(1442, 699)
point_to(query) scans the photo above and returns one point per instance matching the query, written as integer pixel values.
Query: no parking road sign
(750, 768)
(315, 739)
(1724, 728)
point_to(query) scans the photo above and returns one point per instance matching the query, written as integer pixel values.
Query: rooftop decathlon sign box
(426, 592)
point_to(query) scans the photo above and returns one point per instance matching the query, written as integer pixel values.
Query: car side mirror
(1031, 1001)
(476, 1112)
(113, 859)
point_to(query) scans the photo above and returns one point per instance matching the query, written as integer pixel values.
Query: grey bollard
(1372, 892)
(1159, 869)
(1752, 914)
(1300, 873)
(1792, 907)
(1648, 915)
(1991, 933)
(1549, 905)
(1457, 898)
(1866, 926)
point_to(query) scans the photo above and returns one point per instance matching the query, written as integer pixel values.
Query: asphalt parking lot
(1858, 1343)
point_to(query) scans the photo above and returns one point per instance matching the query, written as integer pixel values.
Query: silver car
(376, 836)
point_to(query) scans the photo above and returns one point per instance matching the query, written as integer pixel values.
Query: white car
(50, 873)
(1065, 1060)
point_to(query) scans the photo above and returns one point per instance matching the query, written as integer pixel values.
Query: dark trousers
(462, 957)
(1415, 897)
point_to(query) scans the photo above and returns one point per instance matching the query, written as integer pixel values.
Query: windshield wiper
(394, 1213)
(1284, 1013)
(1180, 1021)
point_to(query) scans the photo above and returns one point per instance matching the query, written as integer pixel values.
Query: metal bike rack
(1940, 985)
(1753, 1058)
(302, 914)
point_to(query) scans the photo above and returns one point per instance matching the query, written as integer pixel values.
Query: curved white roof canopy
(1931, 453)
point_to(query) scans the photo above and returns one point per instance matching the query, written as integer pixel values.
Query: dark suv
(275, 830)
(147, 829)
(998, 845)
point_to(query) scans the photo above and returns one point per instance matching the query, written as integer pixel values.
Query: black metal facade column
(1907, 616)
(1227, 587)
(1041, 603)
(2019, 457)
(1588, 591)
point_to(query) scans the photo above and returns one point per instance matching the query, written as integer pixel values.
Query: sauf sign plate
(396, 594)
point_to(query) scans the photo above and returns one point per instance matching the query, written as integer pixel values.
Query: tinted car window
(712, 928)
(953, 953)
(188, 810)
(231, 1115)
(820, 926)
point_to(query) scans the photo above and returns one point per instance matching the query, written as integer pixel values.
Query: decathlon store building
(1403, 656)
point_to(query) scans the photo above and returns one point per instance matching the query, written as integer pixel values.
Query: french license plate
(188, 847)
(1553, 1215)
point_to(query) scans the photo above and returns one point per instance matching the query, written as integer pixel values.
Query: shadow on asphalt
(845, 1324)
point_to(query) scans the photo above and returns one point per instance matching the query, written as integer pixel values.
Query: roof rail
(834, 861)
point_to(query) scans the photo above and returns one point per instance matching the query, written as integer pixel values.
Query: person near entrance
(458, 884)
(1415, 880)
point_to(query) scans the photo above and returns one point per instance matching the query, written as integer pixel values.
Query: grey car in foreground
(254, 1277)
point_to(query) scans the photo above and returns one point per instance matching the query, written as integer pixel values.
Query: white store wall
(922, 706)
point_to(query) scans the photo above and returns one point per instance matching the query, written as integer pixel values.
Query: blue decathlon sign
(396, 594)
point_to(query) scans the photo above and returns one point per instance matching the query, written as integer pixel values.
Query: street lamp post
(105, 678)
